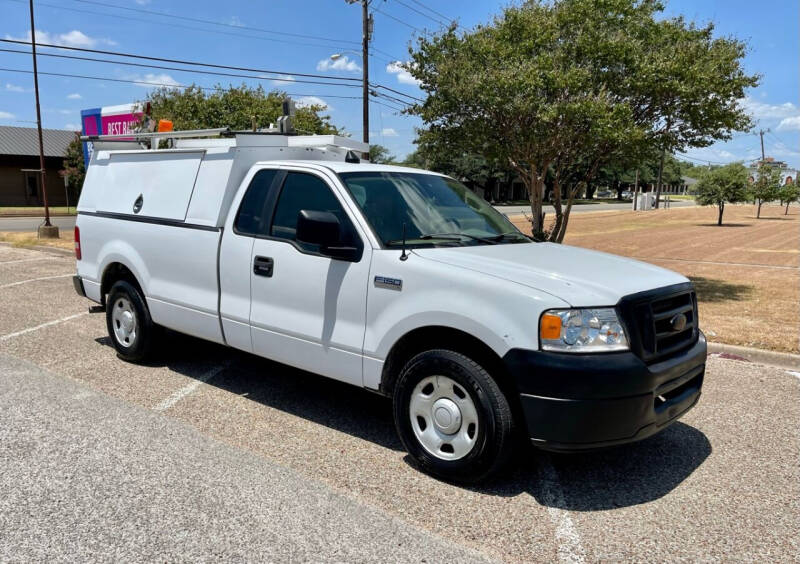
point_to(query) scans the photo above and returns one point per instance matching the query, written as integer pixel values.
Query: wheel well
(113, 273)
(436, 337)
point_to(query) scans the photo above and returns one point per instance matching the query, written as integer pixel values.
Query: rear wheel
(130, 326)
(452, 417)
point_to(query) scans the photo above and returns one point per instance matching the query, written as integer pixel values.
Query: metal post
(39, 121)
(365, 22)
(636, 190)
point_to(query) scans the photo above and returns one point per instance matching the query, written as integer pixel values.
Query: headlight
(582, 330)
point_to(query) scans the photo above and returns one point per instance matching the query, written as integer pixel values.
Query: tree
(379, 154)
(74, 167)
(789, 193)
(767, 185)
(695, 88)
(726, 184)
(559, 89)
(235, 107)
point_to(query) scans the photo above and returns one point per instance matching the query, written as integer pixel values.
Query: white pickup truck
(395, 279)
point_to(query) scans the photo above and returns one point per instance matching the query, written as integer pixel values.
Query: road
(64, 223)
(67, 223)
(211, 454)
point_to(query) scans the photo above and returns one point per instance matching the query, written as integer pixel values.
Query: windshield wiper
(457, 237)
(510, 235)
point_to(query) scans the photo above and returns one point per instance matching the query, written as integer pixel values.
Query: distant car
(627, 195)
(603, 194)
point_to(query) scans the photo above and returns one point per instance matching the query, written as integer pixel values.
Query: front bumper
(578, 402)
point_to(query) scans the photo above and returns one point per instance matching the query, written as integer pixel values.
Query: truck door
(308, 310)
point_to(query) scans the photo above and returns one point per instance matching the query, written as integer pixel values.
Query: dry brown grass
(29, 239)
(746, 272)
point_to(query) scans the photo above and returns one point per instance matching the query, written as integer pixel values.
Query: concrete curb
(784, 360)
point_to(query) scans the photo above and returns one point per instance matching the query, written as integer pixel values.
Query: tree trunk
(721, 209)
(660, 173)
(557, 225)
(758, 213)
(786, 212)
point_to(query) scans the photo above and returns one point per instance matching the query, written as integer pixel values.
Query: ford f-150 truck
(399, 280)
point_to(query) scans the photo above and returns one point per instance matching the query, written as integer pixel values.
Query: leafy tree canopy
(379, 154)
(563, 87)
(74, 168)
(726, 184)
(767, 185)
(234, 107)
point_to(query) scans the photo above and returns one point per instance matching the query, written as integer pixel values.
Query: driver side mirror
(323, 229)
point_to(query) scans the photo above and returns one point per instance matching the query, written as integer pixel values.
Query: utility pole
(366, 23)
(46, 230)
(761, 132)
(636, 190)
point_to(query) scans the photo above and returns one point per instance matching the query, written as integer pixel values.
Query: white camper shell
(195, 181)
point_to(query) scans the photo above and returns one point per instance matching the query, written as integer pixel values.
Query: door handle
(263, 266)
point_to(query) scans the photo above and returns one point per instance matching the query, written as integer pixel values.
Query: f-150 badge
(388, 283)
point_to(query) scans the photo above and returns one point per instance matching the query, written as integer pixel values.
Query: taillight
(77, 243)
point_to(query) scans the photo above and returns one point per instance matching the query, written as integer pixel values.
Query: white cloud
(340, 64)
(152, 80)
(306, 101)
(790, 124)
(74, 96)
(72, 127)
(74, 38)
(388, 132)
(762, 110)
(234, 20)
(143, 2)
(403, 76)
(6, 115)
(282, 79)
(15, 88)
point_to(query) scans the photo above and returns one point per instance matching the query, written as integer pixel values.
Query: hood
(578, 276)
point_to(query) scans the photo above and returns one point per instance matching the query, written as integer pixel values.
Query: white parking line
(793, 373)
(188, 388)
(34, 280)
(42, 326)
(570, 548)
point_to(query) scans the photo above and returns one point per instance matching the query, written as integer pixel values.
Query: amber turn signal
(550, 327)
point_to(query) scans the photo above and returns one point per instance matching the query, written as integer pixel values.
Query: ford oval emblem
(678, 322)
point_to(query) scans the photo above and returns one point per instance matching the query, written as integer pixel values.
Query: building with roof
(788, 174)
(19, 166)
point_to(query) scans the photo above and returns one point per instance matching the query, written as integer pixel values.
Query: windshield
(435, 210)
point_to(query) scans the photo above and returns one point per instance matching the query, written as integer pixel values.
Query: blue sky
(770, 27)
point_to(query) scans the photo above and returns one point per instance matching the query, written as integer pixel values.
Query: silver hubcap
(123, 319)
(443, 417)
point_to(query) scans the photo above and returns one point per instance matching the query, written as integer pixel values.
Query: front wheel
(452, 417)
(130, 326)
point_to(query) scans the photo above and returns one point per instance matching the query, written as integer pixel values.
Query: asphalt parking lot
(212, 454)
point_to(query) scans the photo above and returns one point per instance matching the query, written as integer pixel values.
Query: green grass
(35, 210)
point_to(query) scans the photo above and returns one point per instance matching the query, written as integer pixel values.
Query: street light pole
(39, 126)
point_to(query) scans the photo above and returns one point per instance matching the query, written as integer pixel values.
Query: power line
(197, 71)
(441, 15)
(423, 14)
(152, 83)
(397, 92)
(238, 35)
(180, 61)
(211, 22)
(398, 20)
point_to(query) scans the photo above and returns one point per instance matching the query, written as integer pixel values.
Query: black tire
(493, 446)
(139, 347)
